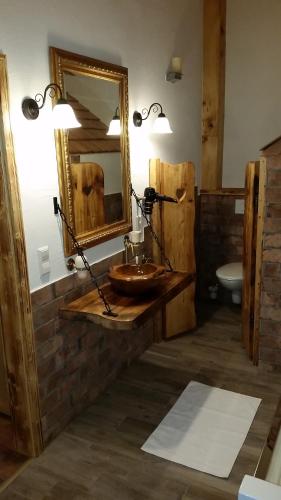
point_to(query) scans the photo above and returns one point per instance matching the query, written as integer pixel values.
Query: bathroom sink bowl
(133, 279)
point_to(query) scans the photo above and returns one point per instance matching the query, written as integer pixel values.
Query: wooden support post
(214, 20)
(259, 259)
(249, 254)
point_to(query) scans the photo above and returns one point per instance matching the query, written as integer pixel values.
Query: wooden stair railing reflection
(92, 137)
(88, 196)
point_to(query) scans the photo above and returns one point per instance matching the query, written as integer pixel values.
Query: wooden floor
(98, 456)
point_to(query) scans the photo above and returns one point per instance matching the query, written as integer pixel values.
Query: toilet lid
(232, 271)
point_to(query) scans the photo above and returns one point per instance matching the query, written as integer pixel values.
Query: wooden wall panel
(155, 181)
(214, 21)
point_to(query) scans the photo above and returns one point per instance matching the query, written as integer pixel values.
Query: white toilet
(231, 277)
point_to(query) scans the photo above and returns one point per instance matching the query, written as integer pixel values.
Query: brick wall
(270, 313)
(76, 359)
(219, 239)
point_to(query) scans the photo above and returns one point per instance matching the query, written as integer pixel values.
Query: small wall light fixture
(160, 126)
(77, 264)
(174, 74)
(63, 114)
(114, 126)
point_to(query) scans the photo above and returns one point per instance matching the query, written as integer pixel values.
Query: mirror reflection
(95, 157)
(93, 165)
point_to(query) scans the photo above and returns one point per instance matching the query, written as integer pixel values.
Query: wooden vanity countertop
(132, 311)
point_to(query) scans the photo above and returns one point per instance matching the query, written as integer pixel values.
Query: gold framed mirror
(93, 167)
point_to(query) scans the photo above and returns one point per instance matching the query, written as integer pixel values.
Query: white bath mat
(205, 429)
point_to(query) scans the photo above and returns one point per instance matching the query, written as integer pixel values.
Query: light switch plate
(43, 258)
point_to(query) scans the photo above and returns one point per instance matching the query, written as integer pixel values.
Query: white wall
(253, 88)
(140, 34)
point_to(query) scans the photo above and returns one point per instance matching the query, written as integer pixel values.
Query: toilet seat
(232, 271)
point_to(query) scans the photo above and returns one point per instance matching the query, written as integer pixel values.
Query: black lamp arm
(154, 106)
(52, 87)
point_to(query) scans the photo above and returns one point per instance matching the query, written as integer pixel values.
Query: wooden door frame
(15, 304)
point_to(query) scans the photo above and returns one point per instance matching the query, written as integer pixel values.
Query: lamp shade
(161, 125)
(114, 126)
(64, 116)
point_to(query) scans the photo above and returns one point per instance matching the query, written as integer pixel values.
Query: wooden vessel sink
(134, 279)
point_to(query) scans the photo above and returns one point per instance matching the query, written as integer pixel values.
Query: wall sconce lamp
(63, 114)
(114, 126)
(174, 74)
(161, 124)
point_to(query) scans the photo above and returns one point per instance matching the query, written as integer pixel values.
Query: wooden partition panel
(174, 223)
(249, 254)
(252, 256)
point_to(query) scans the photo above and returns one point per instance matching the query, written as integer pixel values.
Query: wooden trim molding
(15, 304)
(224, 192)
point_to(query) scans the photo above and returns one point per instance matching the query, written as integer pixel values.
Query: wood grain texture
(7, 438)
(214, 25)
(224, 192)
(16, 317)
(249, 254)
(131, 311)
(88, 196)
(175, 225)
(98, 456)
(178, 228)
(4, 389)
(259, 259)
(155, 181)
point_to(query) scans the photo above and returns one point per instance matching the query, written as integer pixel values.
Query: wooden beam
(15, 307)
(214, 22)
